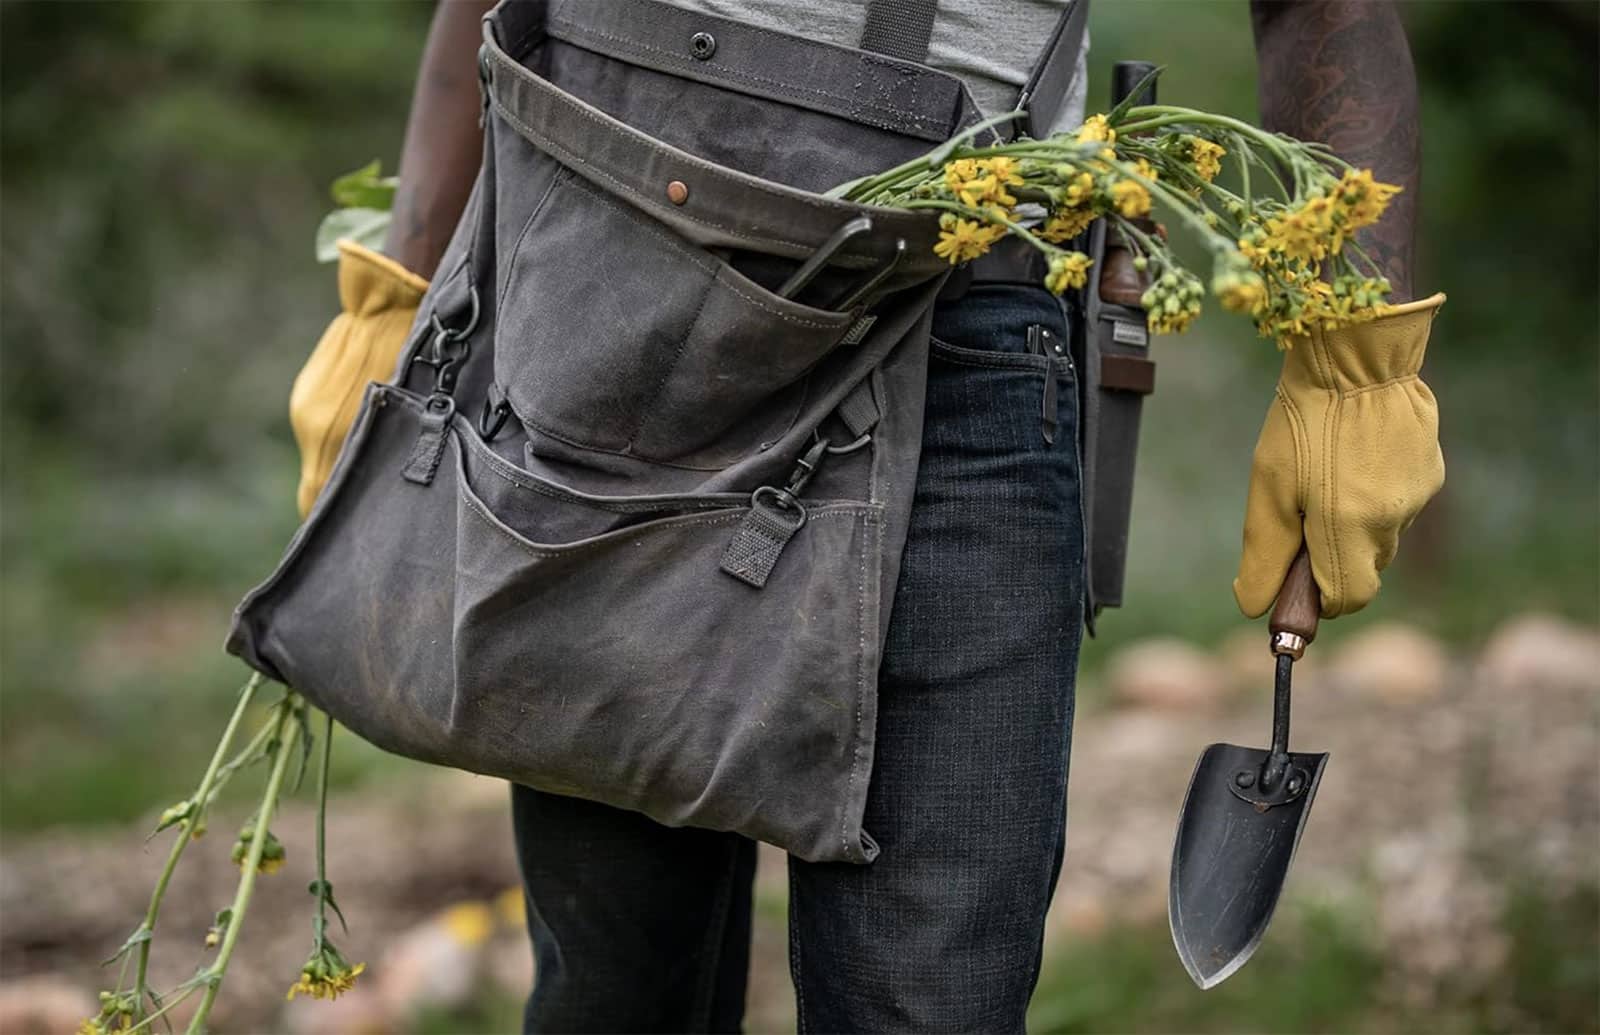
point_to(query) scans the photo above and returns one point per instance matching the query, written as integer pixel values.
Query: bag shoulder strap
(903, 28)
(899, 28)
(1054, 71)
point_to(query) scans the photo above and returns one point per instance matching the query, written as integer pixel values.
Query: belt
(1011, 261)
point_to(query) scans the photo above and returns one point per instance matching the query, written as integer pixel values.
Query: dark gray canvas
(574, 603)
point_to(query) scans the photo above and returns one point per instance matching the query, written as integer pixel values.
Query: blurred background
(165, 165)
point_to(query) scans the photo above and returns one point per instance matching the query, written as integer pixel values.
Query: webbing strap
(899, 28)
(903, 28)
(1053, 73)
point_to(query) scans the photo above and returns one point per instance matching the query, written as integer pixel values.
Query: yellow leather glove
(1347, 458)
(362, 344)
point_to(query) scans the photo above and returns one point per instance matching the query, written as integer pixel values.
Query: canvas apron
(627, 523)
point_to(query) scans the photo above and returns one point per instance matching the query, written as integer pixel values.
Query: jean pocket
(614, 334)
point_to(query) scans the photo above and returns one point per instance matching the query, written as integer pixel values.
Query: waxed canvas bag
(627, 523)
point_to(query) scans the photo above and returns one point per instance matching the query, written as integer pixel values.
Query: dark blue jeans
(640, 927)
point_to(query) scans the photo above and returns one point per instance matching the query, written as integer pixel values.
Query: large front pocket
(505, 624)
(615, 334)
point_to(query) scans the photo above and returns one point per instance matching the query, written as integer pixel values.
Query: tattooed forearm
(443, 143)
(1340, 72)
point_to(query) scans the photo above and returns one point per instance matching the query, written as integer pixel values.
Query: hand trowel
(1243, 815)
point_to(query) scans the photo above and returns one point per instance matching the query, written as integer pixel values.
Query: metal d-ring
(783, 500)
(453, 333)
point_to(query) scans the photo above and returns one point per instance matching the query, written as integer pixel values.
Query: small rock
(438, 963)
(1169, 674)
(1394, 663)
(46, 1004)
(1541, 650)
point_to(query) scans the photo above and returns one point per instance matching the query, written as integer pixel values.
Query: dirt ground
(1451, 779)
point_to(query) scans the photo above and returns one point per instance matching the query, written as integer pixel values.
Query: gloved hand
(362, 344)
(1347, 458)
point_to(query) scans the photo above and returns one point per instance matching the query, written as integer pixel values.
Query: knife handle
(1294, 616)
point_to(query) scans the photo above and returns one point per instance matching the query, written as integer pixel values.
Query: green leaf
(324, 891)
(1114, 116)
(140, 935)
(365, 226)
(364, 188)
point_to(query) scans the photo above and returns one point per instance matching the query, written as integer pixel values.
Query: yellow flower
(1003, 168)
(985, 190)
(1308, 234)
(326, 986)
(1241, 293)
(958, 172)
(1096, 128)
(272, 852)
(92, 1026)
(1206, 156)
(962, 240)
(1131, 199)
(1079, 189)
(470, 923)
(1362, 198)
(1065, 224)
(1069, 270)
(326, 975)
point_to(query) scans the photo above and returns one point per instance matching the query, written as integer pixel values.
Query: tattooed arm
(443, 142)
(1339, 71)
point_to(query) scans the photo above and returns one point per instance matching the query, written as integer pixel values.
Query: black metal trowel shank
(1243, 816)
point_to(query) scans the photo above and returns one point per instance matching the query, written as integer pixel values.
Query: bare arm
(443, 142)
(1340, 72)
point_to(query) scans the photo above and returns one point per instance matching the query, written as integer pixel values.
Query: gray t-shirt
(990, 46)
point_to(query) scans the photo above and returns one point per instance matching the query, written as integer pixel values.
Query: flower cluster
(327, 974)
(1285, 259)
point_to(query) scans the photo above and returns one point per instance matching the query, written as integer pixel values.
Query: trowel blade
(1230, 859)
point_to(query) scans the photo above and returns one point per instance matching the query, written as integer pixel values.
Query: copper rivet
(677, 192)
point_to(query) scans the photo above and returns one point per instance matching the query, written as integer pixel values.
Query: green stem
(1149, 246)
(148, 1023)
(1170, 115)
(248, 754)
(287, 733)
(322, 831)
(197, 811)
(1244, 176)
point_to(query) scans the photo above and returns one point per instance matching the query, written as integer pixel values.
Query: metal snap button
(677, 192)
(702, 45)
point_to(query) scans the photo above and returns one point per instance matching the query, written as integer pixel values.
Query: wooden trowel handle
(1294, 617)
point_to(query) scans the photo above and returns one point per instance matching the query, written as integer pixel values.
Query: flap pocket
(615, 334)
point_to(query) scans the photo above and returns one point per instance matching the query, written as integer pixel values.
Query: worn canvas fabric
(558, 547)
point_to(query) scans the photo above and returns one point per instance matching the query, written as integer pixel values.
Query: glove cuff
(1365, 354)
(370, 283)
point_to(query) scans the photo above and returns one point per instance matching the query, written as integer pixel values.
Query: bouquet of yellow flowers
(1285, 257)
